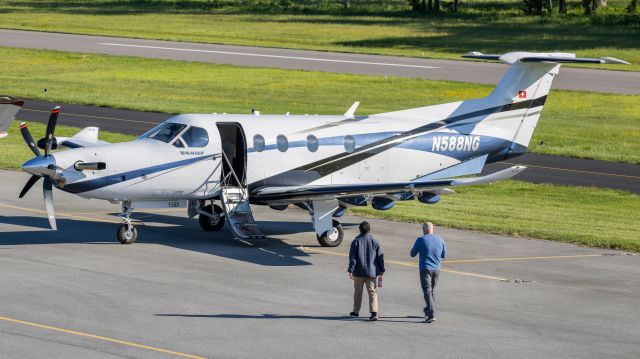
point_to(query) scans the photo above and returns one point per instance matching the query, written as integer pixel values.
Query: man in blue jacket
(366, 262)
(431, 249)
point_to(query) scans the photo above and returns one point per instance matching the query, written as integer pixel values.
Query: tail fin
(526, 85)
(9, 106)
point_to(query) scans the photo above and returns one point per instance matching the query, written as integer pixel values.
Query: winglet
(352, 110)
(490, 178)
(613, 60)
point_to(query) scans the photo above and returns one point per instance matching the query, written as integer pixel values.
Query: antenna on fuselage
(352, 110)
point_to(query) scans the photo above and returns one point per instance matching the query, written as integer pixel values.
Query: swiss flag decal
(522, 94)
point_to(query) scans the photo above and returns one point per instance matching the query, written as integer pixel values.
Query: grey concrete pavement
(206, 295)
(481, 72)
(541, 168)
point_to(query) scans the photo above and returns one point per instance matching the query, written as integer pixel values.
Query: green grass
(14, 152)
(487, 26)
(579, 124)
(588, 216)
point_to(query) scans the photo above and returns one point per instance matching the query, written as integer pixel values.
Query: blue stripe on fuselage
(105, 181)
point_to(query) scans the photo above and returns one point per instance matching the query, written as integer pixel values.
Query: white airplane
(9, 106)
(323, 164)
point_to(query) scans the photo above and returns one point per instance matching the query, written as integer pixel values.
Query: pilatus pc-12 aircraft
(215, 165)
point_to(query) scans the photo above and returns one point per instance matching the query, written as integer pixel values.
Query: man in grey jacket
(366, 262)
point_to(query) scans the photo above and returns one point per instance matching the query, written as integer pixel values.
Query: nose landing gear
(127, 233)
(211, 218)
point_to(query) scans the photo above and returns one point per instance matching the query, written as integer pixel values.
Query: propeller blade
(48, 202)
(28, 139)
(32, 180)
(51, 127)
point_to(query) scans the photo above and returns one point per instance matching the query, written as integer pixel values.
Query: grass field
(578, 124)
(595, 217)
(495, 26)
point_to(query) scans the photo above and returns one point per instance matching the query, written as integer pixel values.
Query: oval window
(258, 143)
(349, 143)
(282, 142)
(312, 143)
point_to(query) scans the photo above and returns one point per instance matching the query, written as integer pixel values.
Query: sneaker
(430, 320)
(354, 315)
(374, 317)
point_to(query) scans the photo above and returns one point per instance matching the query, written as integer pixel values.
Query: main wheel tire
(212, 224)
(332, 237)
(127, 237)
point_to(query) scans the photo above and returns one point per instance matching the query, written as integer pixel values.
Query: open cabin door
(234, 194)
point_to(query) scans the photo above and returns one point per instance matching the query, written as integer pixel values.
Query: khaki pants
(370, 283)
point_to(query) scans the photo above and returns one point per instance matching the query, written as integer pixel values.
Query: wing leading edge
(290, 194)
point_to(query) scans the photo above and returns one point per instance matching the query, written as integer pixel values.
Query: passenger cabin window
(167, 132)
(282, 142)
(349, 143)
(312, 143)
(195, 137)
(258, 143)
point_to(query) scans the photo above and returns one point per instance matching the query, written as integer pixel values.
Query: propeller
(42, 166)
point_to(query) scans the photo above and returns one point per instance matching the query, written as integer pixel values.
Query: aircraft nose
(40, 166)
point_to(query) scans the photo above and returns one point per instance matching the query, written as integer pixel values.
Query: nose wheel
(211, 218)
(127, 233)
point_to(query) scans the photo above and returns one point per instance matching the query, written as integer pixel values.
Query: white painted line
(270, 56)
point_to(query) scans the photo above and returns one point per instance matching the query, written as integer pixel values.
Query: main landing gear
(333, 237)
(127, 233)
(211, 218)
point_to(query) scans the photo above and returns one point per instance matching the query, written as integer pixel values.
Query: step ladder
(235, 203)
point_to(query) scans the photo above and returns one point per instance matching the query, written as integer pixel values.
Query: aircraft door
(234, 146)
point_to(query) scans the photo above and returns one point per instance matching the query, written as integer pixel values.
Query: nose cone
(40, 166)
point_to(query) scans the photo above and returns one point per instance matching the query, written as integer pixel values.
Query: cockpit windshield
(166, 132)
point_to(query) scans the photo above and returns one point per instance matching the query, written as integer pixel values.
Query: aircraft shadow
(183, 233)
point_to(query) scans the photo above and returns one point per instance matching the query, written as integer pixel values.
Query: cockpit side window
(195, 137)
(167, 132)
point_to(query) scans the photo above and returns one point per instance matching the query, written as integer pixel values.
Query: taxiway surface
(621, 82)
(541, 168)
(183, 293)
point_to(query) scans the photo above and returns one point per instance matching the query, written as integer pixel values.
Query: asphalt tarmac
(541, 168)
(620, 82)
(183, 293)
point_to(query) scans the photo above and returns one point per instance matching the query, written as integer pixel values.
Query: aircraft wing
(87, 137)
(284, 194)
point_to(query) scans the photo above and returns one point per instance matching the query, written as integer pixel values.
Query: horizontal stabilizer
(555, 57)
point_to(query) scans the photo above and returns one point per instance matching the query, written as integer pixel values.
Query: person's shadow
(305, 317)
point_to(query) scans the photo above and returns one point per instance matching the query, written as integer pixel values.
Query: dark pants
(428, 280)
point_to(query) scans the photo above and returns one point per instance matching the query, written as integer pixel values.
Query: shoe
(354, 315)
(374, 317)
(424, 310)
(430, 320)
